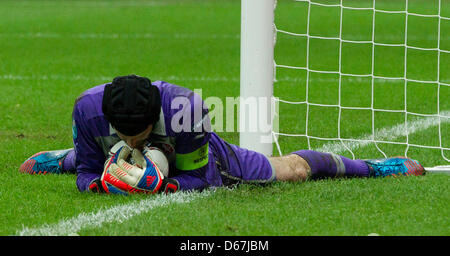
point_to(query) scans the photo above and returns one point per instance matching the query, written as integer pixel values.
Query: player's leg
(45, 162)
(250, 166)
(307, 163)
(332, 165)
(239, 165)
(290, 168)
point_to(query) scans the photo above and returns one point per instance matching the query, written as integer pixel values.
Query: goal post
(256, 75)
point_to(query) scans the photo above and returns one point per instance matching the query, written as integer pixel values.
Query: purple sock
(332, 165)
(69, 162)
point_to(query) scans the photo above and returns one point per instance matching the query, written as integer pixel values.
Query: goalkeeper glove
(121, 177)
(169, 186)
(96, 186)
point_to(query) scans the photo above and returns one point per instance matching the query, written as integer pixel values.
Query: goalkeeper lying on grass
(134, 110)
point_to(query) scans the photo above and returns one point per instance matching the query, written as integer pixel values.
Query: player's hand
(122, 177)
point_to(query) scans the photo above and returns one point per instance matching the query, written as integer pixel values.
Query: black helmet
(131, 103)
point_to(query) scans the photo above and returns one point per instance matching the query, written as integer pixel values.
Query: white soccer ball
(159, 158)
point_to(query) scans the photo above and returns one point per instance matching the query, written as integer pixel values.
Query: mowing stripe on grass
(84, 3)
(119, 213)
(124, 35)
(118, 35)
(102, 78)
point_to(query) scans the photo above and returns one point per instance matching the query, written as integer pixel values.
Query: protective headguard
(131, 103)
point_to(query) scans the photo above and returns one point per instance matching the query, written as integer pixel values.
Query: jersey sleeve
(192, 180)
(89, 156)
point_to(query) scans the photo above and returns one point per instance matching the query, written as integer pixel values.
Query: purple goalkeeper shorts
(239, 165)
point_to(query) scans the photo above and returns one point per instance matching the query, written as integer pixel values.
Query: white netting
(414, 121)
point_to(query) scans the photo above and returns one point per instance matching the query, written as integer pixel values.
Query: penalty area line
(387, 134)
(119, 214)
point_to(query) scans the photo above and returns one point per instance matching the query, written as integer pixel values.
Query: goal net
(364, 79)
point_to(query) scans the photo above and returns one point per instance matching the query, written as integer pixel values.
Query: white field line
(170, 78)
(386, 134)
(119, 214)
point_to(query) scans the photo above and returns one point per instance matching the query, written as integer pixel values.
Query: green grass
(54, 50)
(328, 207)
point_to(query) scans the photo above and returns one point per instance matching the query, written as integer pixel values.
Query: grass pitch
(54, 50)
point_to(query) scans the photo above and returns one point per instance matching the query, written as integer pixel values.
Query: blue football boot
(45, 162)
(395, 166)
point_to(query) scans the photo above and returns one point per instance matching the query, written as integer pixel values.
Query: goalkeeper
(174, 119)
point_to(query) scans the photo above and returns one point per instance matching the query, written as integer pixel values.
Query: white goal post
(258, 73)
(257, 67)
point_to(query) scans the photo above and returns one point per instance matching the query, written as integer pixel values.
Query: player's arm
(191, 163)
(192, 148)
(89, 156)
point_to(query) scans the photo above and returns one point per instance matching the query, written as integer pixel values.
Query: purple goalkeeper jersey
(182, 132)
(198, 158)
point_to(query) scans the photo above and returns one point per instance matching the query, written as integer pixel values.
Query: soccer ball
(159, 158)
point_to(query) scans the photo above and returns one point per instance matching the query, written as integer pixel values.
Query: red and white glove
(121, 177)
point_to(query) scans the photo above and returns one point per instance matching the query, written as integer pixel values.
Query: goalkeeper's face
(136, 141)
